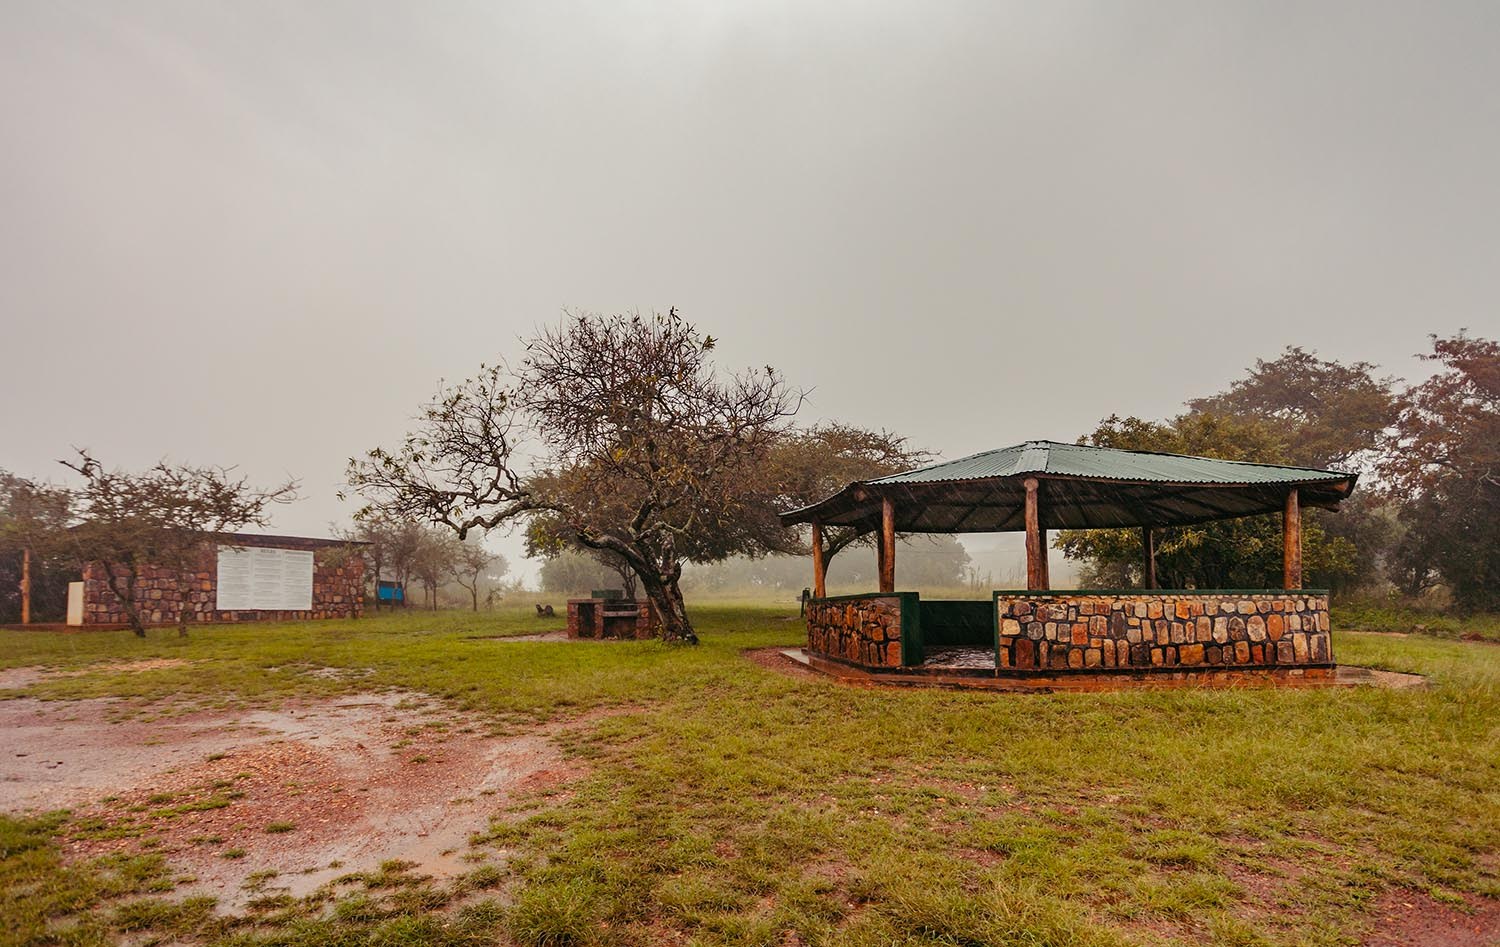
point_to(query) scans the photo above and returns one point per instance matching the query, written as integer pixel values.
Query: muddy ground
(311, 791)
(260, 801)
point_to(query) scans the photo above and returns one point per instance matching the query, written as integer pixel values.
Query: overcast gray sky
(258, 233)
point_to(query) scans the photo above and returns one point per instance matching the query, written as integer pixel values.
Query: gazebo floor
(967, 668)
(961, 656)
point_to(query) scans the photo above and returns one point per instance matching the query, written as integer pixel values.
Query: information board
(263, 578)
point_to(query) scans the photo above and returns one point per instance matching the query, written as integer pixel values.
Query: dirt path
(310, 792)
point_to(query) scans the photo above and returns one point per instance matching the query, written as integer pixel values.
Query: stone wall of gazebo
(1158, 629)
(860, 629)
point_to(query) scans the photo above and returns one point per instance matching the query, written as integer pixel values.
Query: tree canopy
(641, 448)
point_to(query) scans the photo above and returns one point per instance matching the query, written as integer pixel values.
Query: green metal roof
(1080, 487)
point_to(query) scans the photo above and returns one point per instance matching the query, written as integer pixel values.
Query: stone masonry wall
(862, 630)
(1163, 629)
(338, 591)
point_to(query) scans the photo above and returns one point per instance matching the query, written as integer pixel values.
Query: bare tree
(646, 451)
(435, 555)
(472, 564)
(162, 517)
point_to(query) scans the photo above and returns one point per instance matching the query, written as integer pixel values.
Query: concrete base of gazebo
(993, 679)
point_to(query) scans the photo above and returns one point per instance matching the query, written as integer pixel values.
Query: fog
(258, 234)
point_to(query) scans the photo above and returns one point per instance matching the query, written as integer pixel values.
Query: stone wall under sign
(338, 589)
(862, 629)
(1079, 630)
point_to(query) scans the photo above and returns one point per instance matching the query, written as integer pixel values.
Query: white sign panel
(265, 579)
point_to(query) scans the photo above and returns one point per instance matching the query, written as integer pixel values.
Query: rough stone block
(1255, 628)
(1275, 625)
(1025, 653)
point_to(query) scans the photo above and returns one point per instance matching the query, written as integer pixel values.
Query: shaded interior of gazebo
(1040, 486)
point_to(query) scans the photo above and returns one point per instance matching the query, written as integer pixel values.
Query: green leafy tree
(1442, 462)
(571, 571)
(34, 559)
(1240, 553)
(1324, 413)
(813, 463)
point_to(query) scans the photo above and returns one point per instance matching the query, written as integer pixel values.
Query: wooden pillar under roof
(1148, 557)
(1291, 541)
(819, 568)
(887, 545)
(1036, 540)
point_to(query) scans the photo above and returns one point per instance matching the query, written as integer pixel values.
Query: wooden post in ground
(887, 545)
(1036, 548)
(1291, 541)
(25, 586)
(819, 589)
(1148, 557)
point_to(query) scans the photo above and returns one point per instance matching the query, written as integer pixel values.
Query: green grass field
(728, 804)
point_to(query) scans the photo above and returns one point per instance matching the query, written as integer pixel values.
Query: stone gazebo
(1048, 636)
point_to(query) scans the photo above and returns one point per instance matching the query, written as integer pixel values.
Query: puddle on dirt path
(343, 785)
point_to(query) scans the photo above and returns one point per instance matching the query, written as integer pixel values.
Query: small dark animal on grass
(544, 611)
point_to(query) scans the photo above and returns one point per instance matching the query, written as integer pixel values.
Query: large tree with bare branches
(636, 445)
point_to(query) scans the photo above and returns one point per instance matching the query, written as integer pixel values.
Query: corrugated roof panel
(1104, 463)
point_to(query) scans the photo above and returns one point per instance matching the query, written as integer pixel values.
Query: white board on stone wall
(264, 578)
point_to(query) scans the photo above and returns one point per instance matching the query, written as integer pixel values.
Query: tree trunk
(126, 597)
(666, 599)
(184, 590)
(474, 594)
(627, 580)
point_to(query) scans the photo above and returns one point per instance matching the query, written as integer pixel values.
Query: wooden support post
(25, 586)
(1291, 541)
(819, 589)
(1046, 561)
(1148, 557)
(1036, 549)
(887, 545)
